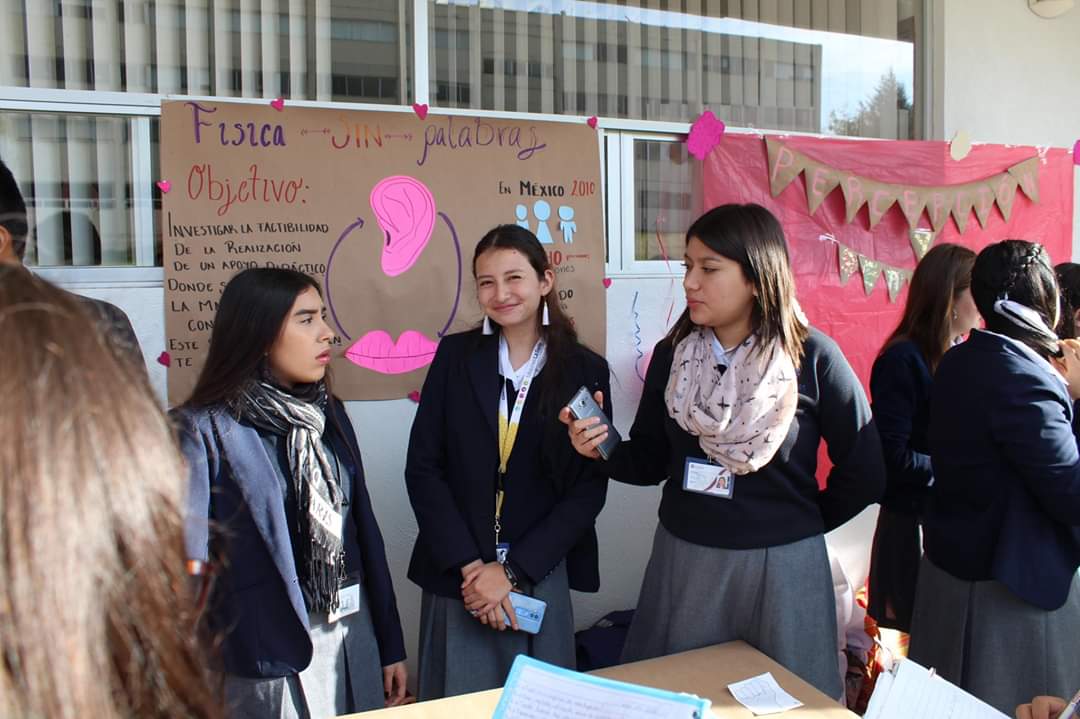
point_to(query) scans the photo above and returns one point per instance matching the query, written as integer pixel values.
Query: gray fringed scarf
(302, 418)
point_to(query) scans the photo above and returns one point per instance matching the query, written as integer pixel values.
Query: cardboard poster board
(384, 209)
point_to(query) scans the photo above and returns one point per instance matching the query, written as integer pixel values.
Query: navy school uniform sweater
(900, 388)
(1005, 503)
(781, 502)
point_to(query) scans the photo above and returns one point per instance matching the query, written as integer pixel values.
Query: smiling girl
(737, 399)
(279, 514)
(501, 499)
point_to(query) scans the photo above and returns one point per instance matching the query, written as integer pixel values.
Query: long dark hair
(97, 616)
(559, 335)
(1068, 277)
(939, 279)
(1020, 271)
(752, 236)
(252, 310)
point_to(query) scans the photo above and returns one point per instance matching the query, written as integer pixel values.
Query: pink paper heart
(278, 104)
(164, 185)
(414, 396)
(420, 108)
(164, 359)
(1076, 153)
(607, 282)
(705, 134)
(591, 122)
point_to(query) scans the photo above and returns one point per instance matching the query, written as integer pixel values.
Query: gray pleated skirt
(982, 637)
(778, 599)
(345, 675)
(459, 655)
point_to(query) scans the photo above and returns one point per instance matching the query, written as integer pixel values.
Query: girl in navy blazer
(279, 514)
(997, 609)
(489, 464)
(939, 312)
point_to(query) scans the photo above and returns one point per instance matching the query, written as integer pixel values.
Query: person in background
(96, 619)
(997, 605)
(737, 399)
(939, 313)
(502, 501)
(14, 233)
(1068, 277)
(278, 510)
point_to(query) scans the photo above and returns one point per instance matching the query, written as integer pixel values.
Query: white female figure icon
(542, 212)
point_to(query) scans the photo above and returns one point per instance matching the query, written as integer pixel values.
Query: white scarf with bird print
(740, 414)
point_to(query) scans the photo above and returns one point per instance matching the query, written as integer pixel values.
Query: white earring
(545, 320)
(488, 329)
(955, 316)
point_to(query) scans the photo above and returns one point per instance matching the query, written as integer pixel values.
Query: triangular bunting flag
(871, 270)
(849, 262)
(894, 281)
(921, 239)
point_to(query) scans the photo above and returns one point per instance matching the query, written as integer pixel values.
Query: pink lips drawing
(377, 351)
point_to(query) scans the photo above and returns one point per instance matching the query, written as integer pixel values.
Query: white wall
(1009, 76)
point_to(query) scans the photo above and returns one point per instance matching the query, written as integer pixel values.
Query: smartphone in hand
(582, 406)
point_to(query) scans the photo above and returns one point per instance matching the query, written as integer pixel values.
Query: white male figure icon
(522, 213)
(542, 211)
(567, 225)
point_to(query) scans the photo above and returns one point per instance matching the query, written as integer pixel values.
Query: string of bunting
(939, 203)
(851, 262)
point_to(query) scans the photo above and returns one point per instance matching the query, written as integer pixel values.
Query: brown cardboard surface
(705, 672)
(384, 209)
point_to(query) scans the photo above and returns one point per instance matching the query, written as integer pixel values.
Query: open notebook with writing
(911, 690)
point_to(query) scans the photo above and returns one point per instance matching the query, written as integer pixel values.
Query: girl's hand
(483, 592)
(394, 678)
(585, 434)
(1069, 365)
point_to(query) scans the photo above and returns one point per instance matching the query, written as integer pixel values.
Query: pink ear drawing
(405, 210)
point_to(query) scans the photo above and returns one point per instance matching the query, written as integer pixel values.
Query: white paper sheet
(762, 695)
(539, 691)
(915, 692)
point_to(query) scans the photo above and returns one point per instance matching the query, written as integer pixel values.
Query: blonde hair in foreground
(95, 611)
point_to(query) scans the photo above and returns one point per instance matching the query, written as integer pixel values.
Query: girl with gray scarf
(279, 516)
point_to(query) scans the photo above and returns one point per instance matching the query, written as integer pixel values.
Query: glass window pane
(667, 198)
(350, 50)
(838, 67)
(75, 173)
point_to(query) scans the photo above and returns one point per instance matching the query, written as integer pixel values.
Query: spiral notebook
(911, 690)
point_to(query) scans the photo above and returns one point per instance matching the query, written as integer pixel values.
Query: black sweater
(781, 502)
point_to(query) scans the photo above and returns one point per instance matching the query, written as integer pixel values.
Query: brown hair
(559, 334)
(751, 236)
(939, 278)
(96, 619)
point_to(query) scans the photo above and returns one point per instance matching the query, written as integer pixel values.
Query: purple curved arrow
(457, 295)
(326, 277)
(358, 225)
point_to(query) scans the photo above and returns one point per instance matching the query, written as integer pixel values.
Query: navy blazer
(236, 506)
(553, 494)
(900, 388)
(1005, 503)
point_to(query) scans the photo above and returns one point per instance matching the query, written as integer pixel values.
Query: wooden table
(705, 672)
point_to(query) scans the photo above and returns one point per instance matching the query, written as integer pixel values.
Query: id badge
(502, 552)
(348, 603)
(704, 477)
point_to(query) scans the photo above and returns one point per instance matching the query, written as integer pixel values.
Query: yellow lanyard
(508, 427)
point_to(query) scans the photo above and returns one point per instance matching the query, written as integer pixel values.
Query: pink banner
(737, 170)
